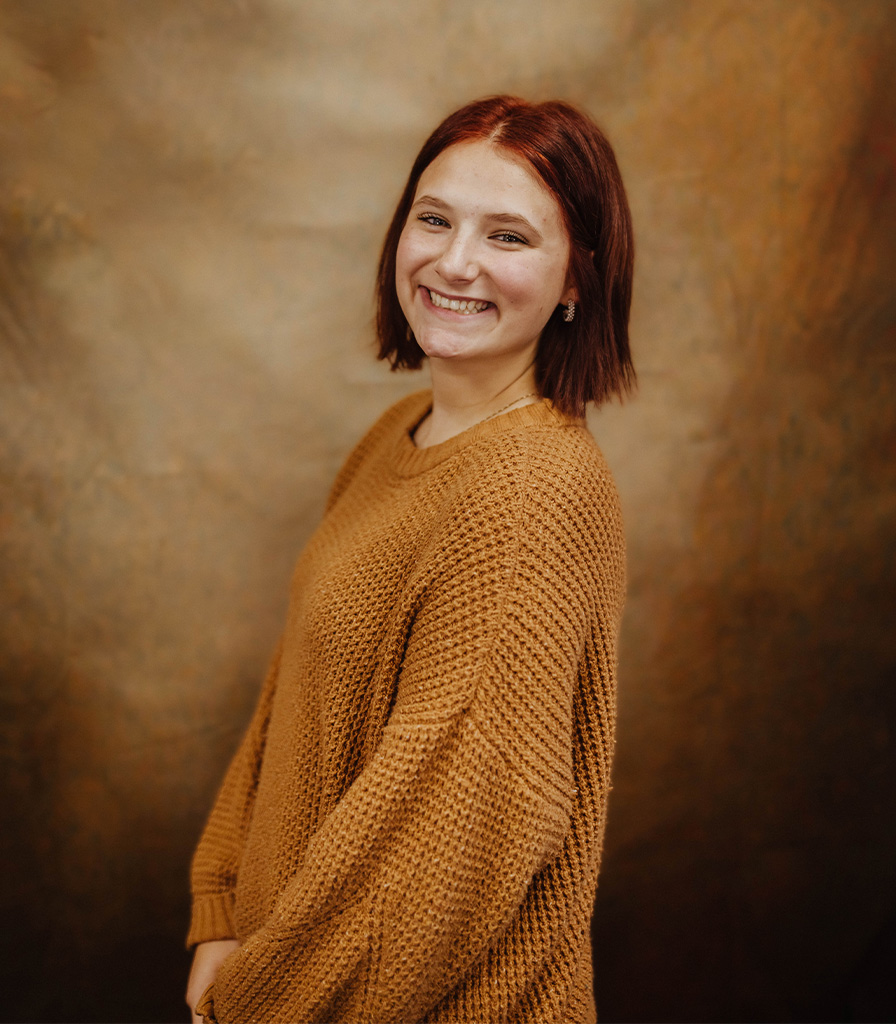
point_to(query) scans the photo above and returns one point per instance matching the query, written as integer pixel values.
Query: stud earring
(570, 311)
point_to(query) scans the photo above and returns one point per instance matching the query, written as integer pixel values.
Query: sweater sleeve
(215, 862)
(426, 859)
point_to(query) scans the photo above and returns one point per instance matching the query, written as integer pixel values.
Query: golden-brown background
(192, 195)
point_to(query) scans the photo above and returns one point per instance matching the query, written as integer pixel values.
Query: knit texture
(411, 828)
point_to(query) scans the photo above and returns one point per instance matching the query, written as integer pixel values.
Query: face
(483, 258)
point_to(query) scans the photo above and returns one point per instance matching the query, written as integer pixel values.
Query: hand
(206, 960)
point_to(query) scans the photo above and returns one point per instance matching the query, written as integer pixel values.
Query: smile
(466, 306)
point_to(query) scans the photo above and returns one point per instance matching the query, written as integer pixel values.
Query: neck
(461, 398)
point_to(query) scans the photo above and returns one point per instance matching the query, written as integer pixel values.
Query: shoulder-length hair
(587, 360)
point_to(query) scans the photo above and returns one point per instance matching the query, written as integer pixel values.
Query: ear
(570, 291)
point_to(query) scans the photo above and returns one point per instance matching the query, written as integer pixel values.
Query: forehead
(487, 178)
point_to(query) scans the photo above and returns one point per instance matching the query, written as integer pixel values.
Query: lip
(455, 314)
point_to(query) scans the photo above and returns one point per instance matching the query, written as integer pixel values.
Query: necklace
(418, 439)
(504, 408)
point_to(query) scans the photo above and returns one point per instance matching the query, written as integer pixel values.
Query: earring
(570, 311)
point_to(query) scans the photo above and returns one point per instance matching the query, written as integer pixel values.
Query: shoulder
(397, 418)
(552, 467)
(568, 516)
(406, 409)
(536, 502)
(543, 486)
(400, 416)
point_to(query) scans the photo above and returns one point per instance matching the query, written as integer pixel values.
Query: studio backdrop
(192, 200)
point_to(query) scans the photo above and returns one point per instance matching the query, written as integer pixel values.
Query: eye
(433, 219)
(510, 237)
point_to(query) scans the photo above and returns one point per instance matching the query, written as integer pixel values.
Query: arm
(215, 862)
(429, 854)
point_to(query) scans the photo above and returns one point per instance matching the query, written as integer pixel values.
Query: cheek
(529, 288)
(401, 261)
(410, 255)
(405, 265)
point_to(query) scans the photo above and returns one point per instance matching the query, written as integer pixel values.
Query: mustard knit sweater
(411, 828)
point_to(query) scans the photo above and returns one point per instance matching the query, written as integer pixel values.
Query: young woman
(411, 828)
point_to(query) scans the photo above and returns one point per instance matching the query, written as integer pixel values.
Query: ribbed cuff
(212, 919)
(205, 1008)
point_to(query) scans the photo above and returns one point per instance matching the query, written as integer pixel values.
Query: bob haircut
(587, 360)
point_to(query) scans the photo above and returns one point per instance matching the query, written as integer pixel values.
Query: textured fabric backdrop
(192, 196)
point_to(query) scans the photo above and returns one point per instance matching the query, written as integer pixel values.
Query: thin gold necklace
(522, 398)
(491, 416)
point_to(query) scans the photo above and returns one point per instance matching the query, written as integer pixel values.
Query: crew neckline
(409, 459)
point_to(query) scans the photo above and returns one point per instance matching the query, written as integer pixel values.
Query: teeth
(458, 305)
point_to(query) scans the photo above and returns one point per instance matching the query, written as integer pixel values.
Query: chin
(445, 348)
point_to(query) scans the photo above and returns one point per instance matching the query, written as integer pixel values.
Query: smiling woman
(411, 829)
(482, 262)
(561, 161)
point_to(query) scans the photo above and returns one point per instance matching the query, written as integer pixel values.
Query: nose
(457, 261)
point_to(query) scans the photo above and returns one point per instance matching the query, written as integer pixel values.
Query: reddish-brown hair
(587, 360)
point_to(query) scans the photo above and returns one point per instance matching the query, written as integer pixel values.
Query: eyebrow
(497, 218)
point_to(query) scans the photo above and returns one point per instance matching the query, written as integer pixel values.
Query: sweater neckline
(409, 460)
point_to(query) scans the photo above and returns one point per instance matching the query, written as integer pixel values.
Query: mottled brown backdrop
(192, 195)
